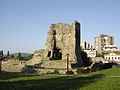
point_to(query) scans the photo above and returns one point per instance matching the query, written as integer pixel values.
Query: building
(110, 48)
(85, 45)
(88, 48)
(91, 53)
(113, 56)
(101, 41)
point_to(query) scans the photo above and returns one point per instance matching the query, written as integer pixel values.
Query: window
(106, 57)
(119, 58)
(49, 54)
(112, 58)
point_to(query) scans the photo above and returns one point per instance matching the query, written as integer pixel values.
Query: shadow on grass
(58, 83)
(10, 75)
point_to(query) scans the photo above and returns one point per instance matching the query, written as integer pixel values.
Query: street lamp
(67, 62)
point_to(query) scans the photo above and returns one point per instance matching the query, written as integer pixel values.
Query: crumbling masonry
(64, 39)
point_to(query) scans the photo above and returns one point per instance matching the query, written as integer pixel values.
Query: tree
(12, 56)
(1, 53)
(24, 58)
(8, 54)
(98, 54)
(29, 57)
(86, 60)
(19, 56)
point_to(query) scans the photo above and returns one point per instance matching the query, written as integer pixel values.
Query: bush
(83, 71)
(78, 71)
(28, 70)
(69, 72)
(56, 71)
(108, 65)
(49, 72)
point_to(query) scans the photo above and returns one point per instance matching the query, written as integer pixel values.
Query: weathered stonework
(37, 57)
(12, 65)
(62, 39)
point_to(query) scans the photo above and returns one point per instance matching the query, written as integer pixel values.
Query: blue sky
(24, 23)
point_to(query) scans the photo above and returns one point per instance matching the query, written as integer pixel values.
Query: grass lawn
(102, 80)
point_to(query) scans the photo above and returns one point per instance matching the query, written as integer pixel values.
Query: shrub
(108, 65)
(49, 72)
(78, 71)
(28, 70)
(69, 72)
(83, 71)
(56, 71)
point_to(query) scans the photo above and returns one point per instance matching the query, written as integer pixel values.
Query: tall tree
(86, 60)
(8, 54)
(19, 55)
(12, 56)
(1, 53)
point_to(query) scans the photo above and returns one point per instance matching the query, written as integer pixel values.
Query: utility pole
(0, 64)
(1, 56)
(67, 62)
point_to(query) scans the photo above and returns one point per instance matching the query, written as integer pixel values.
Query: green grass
(101, 80)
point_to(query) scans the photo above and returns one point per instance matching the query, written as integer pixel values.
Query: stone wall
(61, 64)
(37, 57)
(64, 39)
(12, 65)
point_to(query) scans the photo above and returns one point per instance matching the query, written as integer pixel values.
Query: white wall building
(114, 56)
(91, 53)
(110, 48)
(102, 40)
(85, 45)
(88, 48)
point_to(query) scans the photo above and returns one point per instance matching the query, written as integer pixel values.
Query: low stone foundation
(12, 65)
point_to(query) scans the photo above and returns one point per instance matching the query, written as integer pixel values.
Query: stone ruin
(62, 40)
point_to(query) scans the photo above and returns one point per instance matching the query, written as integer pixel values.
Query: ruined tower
(64, 39)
